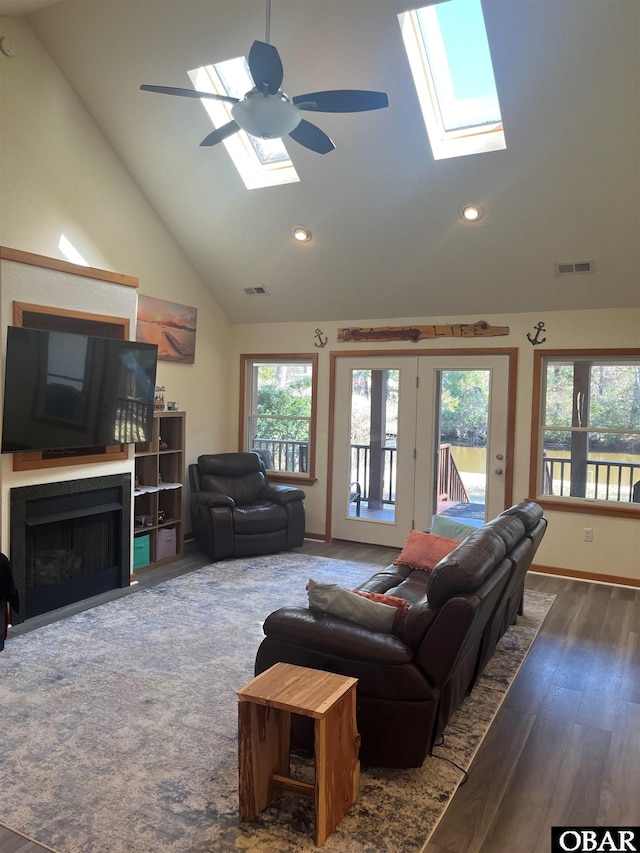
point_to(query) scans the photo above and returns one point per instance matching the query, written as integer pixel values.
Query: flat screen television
(65, 391)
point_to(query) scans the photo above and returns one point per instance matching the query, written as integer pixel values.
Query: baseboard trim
(592, 577)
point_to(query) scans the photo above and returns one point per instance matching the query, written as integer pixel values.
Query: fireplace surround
(70, 540)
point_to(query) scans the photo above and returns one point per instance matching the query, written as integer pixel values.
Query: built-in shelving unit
(159, 493)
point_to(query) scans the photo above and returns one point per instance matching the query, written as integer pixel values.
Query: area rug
(119, 724)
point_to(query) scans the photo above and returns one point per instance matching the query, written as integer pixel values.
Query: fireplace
(69, 541)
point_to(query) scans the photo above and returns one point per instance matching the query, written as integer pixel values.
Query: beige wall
(58, 175)
(615, 549)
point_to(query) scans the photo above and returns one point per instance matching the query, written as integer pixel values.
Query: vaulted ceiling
(387, 237)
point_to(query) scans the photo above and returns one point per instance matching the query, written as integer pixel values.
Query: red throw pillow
(402, 606)
(424, 550)
(382, 598)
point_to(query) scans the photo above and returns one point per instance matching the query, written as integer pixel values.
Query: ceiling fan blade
(265, 66)
(312, 137)
(221, 133)
(188, 93)
(342, 101)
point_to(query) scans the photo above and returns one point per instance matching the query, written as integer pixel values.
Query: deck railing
(360, 468)
(284, 454)
(290, 455)
(606, 480)
(450, 485)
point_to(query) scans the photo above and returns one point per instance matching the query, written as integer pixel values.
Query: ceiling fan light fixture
(471, 212)
(302, 234)
(266, 116)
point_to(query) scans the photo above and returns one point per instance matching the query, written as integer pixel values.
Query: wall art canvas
(172, 327)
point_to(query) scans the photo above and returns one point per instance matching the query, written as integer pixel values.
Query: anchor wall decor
(534, 341)
(321, 339)
(479, 329)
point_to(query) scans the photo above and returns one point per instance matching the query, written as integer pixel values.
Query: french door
(414, 436)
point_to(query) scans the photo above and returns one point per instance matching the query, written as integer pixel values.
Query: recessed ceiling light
(302, 234)
(471, 212)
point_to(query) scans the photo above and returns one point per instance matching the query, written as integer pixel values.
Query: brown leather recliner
(236, 512)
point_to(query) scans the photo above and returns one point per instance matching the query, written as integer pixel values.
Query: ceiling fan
(266, 112)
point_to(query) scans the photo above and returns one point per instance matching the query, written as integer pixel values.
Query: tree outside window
(587, 436)
(279, 417)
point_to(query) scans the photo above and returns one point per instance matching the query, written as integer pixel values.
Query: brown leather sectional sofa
(409, 686)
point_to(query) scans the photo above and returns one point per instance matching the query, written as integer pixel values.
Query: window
(450, 61)
(260, 162)
(586, 431)
(279, 411)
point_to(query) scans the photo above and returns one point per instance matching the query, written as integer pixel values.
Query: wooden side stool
(265, 706)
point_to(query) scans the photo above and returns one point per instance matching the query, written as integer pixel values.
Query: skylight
(260, 162)
(450, 61)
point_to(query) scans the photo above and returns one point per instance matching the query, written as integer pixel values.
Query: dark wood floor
(564, 749)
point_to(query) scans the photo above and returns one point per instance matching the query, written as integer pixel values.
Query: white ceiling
(388, 241)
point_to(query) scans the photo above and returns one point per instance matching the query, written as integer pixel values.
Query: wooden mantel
(21, 257)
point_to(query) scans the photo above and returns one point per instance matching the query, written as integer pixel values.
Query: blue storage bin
(141, 551)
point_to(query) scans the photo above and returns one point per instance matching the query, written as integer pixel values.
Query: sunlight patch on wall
(70, 252)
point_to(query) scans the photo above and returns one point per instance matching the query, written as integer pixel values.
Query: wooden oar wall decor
(479, 329)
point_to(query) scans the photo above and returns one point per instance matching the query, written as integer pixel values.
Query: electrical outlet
(588, 534)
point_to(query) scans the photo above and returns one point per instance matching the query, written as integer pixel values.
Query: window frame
(247, 360)
(565, 503)
(467, 139)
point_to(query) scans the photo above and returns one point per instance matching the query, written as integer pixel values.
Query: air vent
(256, 291)
(575, 267)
